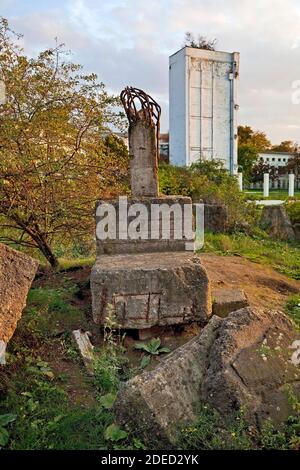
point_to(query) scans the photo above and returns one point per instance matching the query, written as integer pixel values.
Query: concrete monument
(143, 271)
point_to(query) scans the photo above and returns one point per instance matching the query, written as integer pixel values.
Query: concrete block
(226, 301)
(17, 271)
(149, 290)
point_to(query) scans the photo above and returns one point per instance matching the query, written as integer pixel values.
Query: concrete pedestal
(148, 289)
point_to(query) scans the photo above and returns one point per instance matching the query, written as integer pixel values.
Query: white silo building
(203, 106)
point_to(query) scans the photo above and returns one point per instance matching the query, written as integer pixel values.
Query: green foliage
(210, 182)
(209, 431)
(145, 361)
(152, 348)
(5, 420)
(45, 418)
(247, 157)
(282, 256)
(110, 364)
(108, 400)
(55, 130)
(293, 210)
(114, 433)
(50, 310)
(250, 143)
(107, 371)
(292, 308)
(287, 435)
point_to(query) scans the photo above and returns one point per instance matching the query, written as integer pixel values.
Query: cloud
(128, 42)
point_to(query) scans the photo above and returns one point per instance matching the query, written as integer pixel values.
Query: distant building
(203, 106)
(279, 178)
(275, 159)
(164, 147)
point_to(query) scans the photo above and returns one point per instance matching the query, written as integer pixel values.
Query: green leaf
(6, 419)
(145, 362)
(140, 346)
(4, 436)
(114, 433)
(107, 401)
(154, 344)
(164, 350)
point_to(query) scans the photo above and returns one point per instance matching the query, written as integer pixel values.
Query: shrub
(293, 210)
(210, 182)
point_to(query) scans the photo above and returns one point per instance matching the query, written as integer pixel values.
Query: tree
(55, 160)
(260, 168)
(250, 143)
(293, 165)
(284, 146)
(200, 43)
(257, 139)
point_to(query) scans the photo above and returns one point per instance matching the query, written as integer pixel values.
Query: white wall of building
(203, 106)
(275, 159)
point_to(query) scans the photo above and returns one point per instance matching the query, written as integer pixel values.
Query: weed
(292, 308)
(152, 348)
(282, 256)
(210, 431)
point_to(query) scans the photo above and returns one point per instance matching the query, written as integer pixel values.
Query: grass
(69, 263)
(210, 431)
(50, 310)
(293, 309)
(281, 194)
(47, 416)
(281, 256)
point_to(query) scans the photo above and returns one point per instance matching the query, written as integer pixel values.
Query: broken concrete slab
(17, 272)
(226, 301)
(157, 403)
(275, 220)
(85, 348)
(243, 360)
(147, 290)
(250, 365)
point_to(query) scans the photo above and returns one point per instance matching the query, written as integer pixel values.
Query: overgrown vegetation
(293, 210)
(210, 182)
(57, 155)
(282, 256)
(210, 431)
(293, 309)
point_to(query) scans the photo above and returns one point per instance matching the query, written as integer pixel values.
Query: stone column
(291, 185)
(143, 155)
(266, 184)
(240, 180)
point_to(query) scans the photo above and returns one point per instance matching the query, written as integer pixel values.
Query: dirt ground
(263, 286)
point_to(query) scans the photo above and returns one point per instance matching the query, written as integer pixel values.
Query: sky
(128, 42)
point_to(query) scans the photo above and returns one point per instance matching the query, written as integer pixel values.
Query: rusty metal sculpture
(139, 105)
